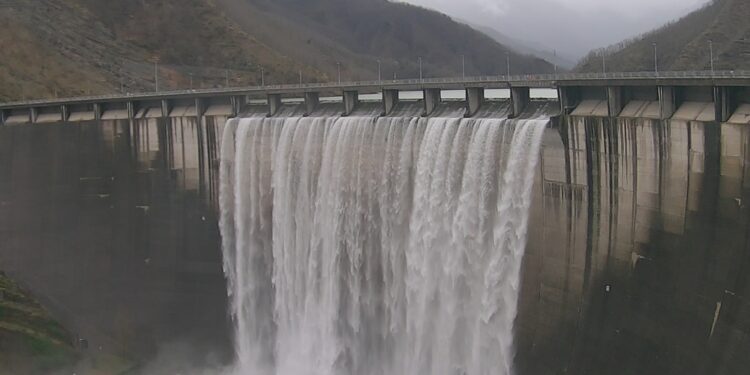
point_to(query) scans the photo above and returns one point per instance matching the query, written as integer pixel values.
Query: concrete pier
(668, 101)
(274, 104)
(615, 100)
(236, 103)
(390, 101)
(725, 102)
(33, 113)
(312, 100)
(569, 98)
(474, 100)
(520, 98)
(200, 107)
(166, 108)
(432, 100)
(351, 100)
(64, 113)
(130, 107)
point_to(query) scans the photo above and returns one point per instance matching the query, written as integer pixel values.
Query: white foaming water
(375, 246)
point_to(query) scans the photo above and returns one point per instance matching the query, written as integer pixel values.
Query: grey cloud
(572, 27)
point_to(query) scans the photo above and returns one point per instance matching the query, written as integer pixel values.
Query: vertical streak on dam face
(640, 235)
(376, 245)
(111, 225)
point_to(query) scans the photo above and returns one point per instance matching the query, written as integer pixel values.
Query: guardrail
(551, 79)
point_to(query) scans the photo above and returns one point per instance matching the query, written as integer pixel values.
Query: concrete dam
(603, 232)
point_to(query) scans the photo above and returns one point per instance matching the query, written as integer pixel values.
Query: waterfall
(375, 246)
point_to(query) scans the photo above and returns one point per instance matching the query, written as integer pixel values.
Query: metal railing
(540, 79)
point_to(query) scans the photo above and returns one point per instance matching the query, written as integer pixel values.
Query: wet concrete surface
(638, 255)
(637, 260)
(113, 226)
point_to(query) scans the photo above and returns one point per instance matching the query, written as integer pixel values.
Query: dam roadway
(600, 94)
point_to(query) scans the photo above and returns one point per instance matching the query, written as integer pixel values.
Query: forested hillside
(77, 47)
(721, 25)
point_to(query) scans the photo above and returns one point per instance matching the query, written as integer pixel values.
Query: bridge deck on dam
(713, 96)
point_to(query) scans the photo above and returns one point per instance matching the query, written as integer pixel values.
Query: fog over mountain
(572, 27)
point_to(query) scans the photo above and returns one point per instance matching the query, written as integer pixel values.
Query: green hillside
(30, 341)
(78, 47)
(686, 43)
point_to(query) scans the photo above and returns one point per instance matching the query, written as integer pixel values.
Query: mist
(571, 27)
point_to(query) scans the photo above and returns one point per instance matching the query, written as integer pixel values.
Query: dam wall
(110, 224)
(636, 263)
(638, 258)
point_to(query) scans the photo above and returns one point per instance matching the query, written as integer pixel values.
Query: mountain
(684, 44)
(78, 47)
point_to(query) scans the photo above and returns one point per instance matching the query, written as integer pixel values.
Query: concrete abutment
(520, 97)
(312, 100)
(432, 99)
(351, 100)
(474, 100)
(390, 101)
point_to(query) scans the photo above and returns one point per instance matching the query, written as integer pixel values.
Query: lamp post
(507, 63)
(262, 77)
(711, 54)
(156, 75)
(421, 77)
(338, 71)
(463, 66)
(604, 63)
(656, 59)
(380, 76)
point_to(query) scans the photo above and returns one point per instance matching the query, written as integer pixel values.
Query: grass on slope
(31, 342)
(684, 44)
(192, 33)
(360, 32)
(81, 47)
(30, 70)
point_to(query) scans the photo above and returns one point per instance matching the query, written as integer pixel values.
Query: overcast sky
(575, 26)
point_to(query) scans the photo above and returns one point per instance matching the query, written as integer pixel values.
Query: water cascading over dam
(365, 245)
